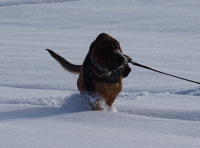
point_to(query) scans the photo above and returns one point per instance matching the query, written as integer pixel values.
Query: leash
(139, 65)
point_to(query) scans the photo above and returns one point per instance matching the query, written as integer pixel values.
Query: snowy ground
(39, 101)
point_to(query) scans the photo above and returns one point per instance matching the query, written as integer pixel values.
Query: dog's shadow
(35, 112)
(72, 104)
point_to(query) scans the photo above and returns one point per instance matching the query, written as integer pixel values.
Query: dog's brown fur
(100, 73)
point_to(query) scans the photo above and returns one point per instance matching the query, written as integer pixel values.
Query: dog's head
(107, 53)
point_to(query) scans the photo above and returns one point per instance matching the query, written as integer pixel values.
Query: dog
(102, 71)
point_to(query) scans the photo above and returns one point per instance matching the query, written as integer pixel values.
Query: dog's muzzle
(119, 59)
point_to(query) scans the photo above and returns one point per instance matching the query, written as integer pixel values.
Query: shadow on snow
(167, 114)
(25, 2)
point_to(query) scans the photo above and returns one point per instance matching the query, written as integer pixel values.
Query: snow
(40, 105)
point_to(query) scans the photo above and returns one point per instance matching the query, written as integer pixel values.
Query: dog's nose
(121, 59)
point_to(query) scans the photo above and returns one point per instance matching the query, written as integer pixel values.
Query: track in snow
(141, 103)
(69, 94)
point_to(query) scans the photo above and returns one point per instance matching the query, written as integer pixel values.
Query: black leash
(139, 65)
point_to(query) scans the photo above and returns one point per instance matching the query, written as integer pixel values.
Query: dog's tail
(65, 64)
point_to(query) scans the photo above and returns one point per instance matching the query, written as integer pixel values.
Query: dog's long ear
(126, 70)
(91, 47)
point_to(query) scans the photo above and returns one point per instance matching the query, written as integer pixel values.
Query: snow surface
(40, 105)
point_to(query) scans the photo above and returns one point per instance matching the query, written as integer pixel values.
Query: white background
(40, 105)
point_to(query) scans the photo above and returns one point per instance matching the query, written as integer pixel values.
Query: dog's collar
(100, 70)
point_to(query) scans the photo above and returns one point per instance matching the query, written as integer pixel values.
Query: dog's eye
(108, 49)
